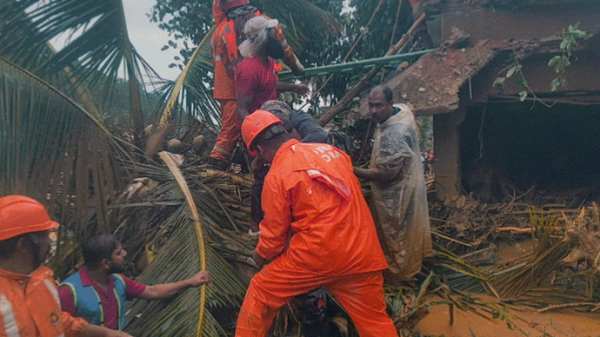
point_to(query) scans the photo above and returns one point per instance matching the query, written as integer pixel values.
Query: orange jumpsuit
(225, 58)
(312, 196)
(29, 307)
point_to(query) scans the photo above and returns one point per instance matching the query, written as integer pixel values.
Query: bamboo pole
(364, 82)
(353, 66)
(567, 305)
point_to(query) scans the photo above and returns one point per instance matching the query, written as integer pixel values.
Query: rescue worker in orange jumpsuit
(230, 17)
(317, 232)
(29, 304)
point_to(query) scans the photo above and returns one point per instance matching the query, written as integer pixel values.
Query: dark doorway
(511, 148)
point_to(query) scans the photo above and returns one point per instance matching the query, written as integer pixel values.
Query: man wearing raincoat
(398, 190)
(317, 232)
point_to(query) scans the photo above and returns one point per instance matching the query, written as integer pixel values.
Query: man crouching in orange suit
(311, 196)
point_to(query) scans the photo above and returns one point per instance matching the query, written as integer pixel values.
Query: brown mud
(517, 321)
(511, 323)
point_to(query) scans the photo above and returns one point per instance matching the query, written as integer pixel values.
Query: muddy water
(564, 323)
(524, 321)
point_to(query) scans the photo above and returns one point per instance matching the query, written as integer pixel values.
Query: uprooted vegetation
(155, 224)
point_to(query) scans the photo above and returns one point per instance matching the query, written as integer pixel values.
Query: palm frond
(199, 59)
(189, 94)
(458, 273)
(186, 315)
(46, 150)
(99, 51)
(301, 21)
(20, 41)
(16, 22)
(177, 260)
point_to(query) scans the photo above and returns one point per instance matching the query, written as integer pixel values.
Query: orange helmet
(227, 5)
(254, 124)
(20, 215)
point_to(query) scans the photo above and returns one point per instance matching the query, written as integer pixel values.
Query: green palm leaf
(31, 53)
(99, 52)
(188, 94)
(301, 21)
(20, 41)
(46, 150)
(181, 257)
(177, 260)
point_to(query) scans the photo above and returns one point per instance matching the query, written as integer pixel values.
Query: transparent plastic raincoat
(400, 205)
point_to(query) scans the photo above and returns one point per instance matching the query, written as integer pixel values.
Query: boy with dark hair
(98, 291)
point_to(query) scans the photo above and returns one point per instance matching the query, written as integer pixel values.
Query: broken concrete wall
(451, 81)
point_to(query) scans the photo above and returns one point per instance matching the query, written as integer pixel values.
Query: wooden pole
(364, 82)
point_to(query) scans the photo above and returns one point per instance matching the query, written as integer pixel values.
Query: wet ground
(517, 323)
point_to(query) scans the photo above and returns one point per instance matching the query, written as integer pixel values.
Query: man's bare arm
(243, 106)
(167, 290)
(375, 174)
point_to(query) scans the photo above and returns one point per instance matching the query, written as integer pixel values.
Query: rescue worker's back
(333, 229)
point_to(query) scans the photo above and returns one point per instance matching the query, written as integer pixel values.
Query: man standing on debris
(256, 81)
(397, 186)
(98, 292)
(300, 126)
(230, 17)
(29, 304)
(317, 231)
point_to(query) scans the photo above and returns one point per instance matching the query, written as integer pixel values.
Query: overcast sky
(148, 39)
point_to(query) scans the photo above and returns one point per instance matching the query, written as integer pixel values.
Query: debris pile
(561, 269)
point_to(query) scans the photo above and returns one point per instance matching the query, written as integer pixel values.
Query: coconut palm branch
(20, 41)
(181, 257)
(189, 94)
(99, 50)
(55, 151)
(198, 64)
(30, 56)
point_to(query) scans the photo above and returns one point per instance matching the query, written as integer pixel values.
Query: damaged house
(508, 121)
